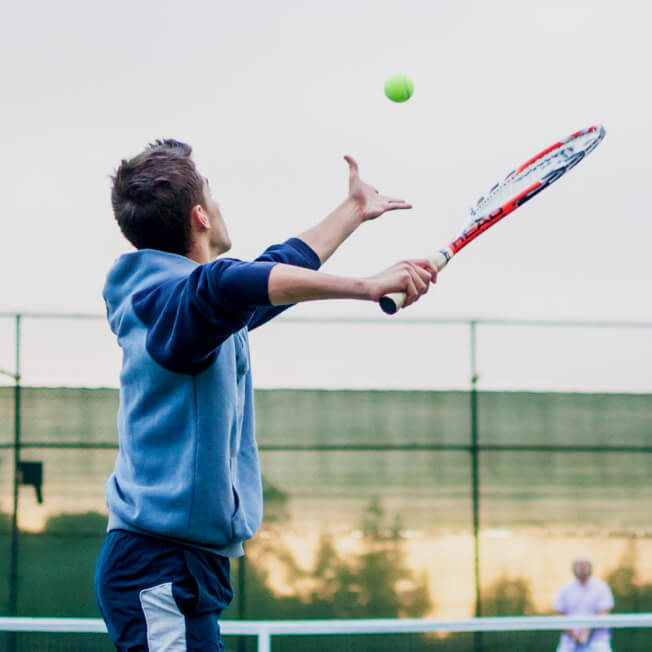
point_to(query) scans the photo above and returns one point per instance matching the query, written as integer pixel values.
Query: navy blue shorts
(155, 595)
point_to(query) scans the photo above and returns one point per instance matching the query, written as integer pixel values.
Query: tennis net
(630, 632)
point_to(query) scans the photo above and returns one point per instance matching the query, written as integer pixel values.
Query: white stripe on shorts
(166, 625)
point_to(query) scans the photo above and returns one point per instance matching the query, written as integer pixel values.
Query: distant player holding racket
(584, 596)
(186, 488)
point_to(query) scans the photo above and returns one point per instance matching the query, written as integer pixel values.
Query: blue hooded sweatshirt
(187, 469)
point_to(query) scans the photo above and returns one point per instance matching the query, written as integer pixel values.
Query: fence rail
(265, 630)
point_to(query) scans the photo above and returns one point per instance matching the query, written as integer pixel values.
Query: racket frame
(392, 302)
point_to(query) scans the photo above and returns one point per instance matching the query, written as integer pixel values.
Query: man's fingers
(421, 279)
(393, 207)
(391, 204)
(418, 282)
(410, 292)
(393, 200)
(370, 200)
(428, 268)
(412, 277)
(353, 166)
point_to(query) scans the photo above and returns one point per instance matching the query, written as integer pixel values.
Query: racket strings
(553, 162)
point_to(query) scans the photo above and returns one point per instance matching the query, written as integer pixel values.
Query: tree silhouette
(89, 524)
(374, 583)
(630, 594)
(507, 597)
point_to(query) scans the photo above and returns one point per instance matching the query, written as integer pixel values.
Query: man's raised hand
(369, 201)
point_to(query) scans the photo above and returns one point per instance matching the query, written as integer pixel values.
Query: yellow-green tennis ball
(398, 88)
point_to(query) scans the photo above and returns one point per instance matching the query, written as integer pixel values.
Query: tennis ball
(398, 88)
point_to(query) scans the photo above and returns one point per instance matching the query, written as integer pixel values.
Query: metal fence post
(13, 571)
(13, 562)
(264, 640)
(242, 569)
(475, 488)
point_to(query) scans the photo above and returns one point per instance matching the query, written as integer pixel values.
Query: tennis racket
(519, 186)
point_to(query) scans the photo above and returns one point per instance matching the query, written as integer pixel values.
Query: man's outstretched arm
(288, 284)
(363, 203)
(188, 318)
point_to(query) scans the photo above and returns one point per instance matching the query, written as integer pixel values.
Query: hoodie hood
(138, 271)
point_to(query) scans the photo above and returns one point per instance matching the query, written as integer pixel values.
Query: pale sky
(271, 95)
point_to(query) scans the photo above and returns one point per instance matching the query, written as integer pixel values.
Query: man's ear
(199, 217)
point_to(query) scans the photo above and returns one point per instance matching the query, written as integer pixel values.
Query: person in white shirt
(584, 596)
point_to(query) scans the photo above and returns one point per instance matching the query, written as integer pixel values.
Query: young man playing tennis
(186, 488)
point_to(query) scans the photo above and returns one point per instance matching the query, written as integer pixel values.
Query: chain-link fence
(411, 467)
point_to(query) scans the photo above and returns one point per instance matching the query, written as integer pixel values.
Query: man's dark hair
(153, 194)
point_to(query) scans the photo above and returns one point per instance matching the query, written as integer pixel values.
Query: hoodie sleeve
(189, 317)
(292, 252)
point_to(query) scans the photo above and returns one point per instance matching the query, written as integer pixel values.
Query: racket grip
(393, 302)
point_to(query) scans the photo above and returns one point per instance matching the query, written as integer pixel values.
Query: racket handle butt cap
(390, 303)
